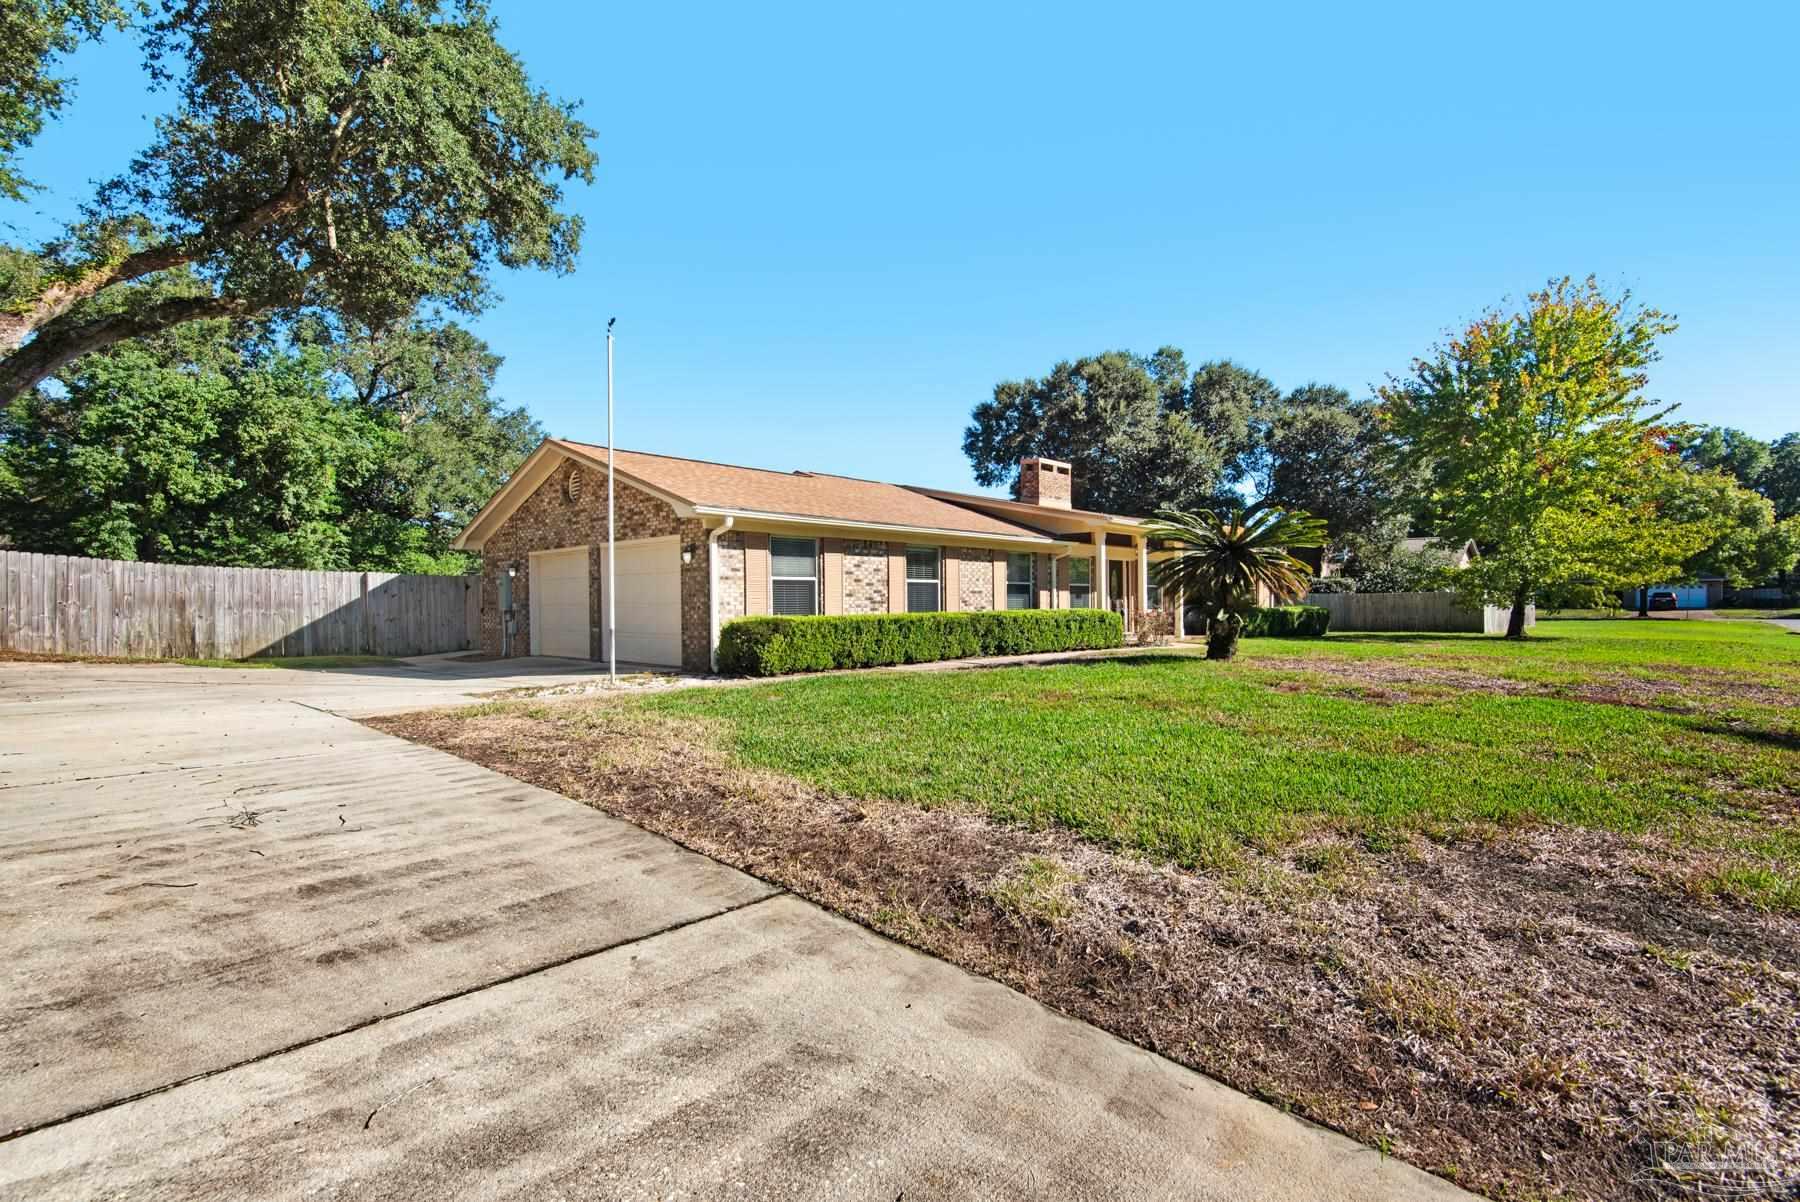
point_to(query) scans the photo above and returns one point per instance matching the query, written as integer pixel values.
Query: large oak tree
(356, 157)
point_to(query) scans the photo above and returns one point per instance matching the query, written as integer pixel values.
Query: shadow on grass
(1782, 739)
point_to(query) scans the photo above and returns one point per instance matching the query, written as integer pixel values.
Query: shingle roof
(800, 494)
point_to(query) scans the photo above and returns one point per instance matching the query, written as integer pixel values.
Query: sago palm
(1224, 558)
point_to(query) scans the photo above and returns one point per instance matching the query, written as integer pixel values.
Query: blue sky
(827, 231)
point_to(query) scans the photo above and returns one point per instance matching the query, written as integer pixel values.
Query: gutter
(712, 585)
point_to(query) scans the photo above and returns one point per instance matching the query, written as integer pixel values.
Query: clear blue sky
(828, 231)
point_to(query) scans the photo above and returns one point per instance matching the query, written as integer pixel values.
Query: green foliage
(187, 461)
(198, 447)
(1330, 456)
(1140, 432)
(34, 34)
(1535, 438)
(349, 156)
(1720, 449)
(1780, 481)
(775, 646)
(1224, 561)
(1287, 621)
(1747, 546)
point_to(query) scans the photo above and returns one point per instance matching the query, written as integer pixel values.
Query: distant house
(1461, 557)
(1704, 593)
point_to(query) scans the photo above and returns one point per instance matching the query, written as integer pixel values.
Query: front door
(1115, 583)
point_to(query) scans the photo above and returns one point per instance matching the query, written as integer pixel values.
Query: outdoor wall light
(512, 570)
(687, 553)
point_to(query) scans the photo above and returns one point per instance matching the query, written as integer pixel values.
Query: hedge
(778, 645)
(1287, 621)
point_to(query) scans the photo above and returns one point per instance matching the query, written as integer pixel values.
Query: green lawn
(1683, 728)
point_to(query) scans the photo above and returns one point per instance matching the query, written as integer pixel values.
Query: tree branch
(55, 348)
(60, 297)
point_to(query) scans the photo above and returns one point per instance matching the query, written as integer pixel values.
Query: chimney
(1046, 482)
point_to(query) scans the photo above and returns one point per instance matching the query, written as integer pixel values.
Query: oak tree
(356, 157)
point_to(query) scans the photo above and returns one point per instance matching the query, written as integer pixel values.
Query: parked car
(1663, 600)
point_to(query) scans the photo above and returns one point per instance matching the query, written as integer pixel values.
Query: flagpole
(612, 559)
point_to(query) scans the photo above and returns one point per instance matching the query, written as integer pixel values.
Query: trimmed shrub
(775, 646)
(1287, 621)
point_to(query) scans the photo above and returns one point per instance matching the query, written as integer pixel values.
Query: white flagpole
(612, 559)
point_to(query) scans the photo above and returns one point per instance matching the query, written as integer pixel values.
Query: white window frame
(1085, 592)
(1030, 580)
(817, 600)
(936, 580)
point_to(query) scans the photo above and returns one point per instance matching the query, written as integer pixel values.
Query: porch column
(1143, 580)
(1100, 569)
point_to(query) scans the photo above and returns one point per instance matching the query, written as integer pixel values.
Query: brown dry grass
(1530, 1013)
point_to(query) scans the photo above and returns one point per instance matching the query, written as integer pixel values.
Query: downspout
(712, 584)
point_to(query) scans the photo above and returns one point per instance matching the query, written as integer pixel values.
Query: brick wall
(865, 578)
(732, 598)
(975, 576)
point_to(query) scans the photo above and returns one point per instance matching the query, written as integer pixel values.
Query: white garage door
(559, 603)
(649, 613)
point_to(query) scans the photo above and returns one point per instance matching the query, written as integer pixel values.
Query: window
(924, 583)
(1154, 590)
(794, 575)
(1081, 583)
(1019, 591)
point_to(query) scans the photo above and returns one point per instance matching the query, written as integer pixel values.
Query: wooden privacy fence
(1413, 611)
(60, 604)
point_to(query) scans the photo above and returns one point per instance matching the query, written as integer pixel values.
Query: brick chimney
(1046, 482)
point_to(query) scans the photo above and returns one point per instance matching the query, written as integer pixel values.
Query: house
(702, 543)
(1704, 593)
(1460, 557)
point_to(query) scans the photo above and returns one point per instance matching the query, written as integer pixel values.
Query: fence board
(69, 605)
(1413, 611)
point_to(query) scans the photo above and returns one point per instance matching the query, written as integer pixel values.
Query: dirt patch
(1528, 1013)
(1686, 690)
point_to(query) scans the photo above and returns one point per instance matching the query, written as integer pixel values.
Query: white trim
(818, 572)
(815, 523)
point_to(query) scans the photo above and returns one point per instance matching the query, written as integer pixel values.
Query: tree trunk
(1643, 593)
(1515, 623)
(1222, 636)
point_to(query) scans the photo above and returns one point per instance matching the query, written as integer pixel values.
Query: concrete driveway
(254, 949)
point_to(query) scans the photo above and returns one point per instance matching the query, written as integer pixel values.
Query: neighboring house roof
(705, 487)
(1460, 557)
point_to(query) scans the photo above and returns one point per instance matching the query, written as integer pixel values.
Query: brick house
(702, 543)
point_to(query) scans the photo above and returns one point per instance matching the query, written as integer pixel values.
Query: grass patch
(1379, 736)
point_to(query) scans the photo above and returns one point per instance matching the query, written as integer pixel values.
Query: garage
(559, 603)
(649, 610)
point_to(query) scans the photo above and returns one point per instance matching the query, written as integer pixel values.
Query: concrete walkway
(254, 949)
